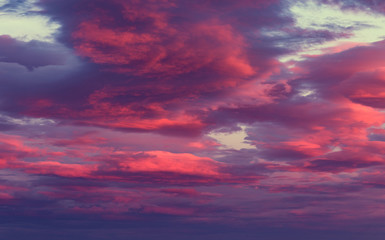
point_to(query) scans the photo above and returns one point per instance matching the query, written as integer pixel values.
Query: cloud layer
(114, 128)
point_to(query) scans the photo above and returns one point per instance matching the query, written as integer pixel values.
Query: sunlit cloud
(22, 21)
(26, 121)
(179, 119)
(351, 27)
(232, 140)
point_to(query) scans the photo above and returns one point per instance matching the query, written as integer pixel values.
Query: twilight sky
(192, 119)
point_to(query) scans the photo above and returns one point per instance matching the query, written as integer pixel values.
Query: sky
(185, 120)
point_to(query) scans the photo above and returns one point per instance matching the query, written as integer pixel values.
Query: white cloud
(363, 25)
(23, 23)
(27, 121)
(234, 140)
(305, 92)
(3, 2)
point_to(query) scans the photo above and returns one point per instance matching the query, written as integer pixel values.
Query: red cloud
(113, 165)
(154, 43)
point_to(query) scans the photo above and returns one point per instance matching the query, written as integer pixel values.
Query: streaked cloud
(351, 26)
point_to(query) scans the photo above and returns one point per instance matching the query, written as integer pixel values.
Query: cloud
(103, 163)
(31, 54)
(115, 120)
(21, 20)
(163, 74)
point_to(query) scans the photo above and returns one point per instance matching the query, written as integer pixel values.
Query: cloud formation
(117, 122)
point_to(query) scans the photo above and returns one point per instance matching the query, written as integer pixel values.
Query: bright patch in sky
(357, 27)
(305, 92)
(22, 23)
(26, 121)
(234, 140)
